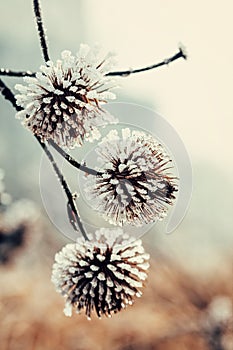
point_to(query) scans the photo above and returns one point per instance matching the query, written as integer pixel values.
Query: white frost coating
(183, 49)
(137, 186)
(63, 101)
(68, 310)
(106, 285)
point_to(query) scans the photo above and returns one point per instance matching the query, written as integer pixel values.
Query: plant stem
(19, 74)
(124, 73)
(8, 95)
(65, 187)
(72, 161)
(41, 31)
(166, 61)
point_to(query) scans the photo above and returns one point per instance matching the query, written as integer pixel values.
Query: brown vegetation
(177, 311)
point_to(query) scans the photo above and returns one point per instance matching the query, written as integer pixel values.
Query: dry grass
(173, 313)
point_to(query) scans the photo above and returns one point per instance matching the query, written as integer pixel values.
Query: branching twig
(41, 31)
(7, 93)
(72, 161)
(19, 74)
(125, 73)
(71, 203)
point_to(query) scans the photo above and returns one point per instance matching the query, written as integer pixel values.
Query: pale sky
(195, 96)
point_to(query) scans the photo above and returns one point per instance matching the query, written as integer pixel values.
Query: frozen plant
(63, 101)
(62, 106)
(134, 185)
(105, 273)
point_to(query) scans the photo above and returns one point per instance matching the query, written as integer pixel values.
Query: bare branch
(71, 207)
(125, 73)
(11, 73)
(8, 95)
(166, 61)
(72, 161)
(41, 31)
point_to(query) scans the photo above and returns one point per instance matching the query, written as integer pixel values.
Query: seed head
(104, 274)
(135, 186)
(63, 102)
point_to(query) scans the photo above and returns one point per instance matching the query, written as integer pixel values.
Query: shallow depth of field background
(192, 268)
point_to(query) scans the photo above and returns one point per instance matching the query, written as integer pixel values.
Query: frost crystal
(104, 274)
(135, 186)
(63, 102)
(183, 50)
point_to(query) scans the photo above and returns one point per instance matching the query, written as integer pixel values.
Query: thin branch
(41, 31)
(124, 73)
(11, 73)
(166, 61)
(72, 161)
(8, 95)
(72, 210)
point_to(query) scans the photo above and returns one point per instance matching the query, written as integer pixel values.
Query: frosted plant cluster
(62, 105)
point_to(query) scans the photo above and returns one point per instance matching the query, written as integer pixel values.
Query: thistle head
(134, 185)
(63, 101)
(103, 275)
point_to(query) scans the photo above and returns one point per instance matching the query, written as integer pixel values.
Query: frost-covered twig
(41, 31)
(72, 209)
(125, 73)
(71, 160)
(19, 74)
(181, 54)
(8, 95)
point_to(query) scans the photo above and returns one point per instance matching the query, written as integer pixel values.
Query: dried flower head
(103, 274)
(63, 101)
(135, 186)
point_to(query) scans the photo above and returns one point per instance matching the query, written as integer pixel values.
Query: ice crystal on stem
(103, 275)
(136, 186)
(63, 102)
(183, 50)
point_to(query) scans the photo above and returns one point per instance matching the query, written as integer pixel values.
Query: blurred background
(188, 300)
